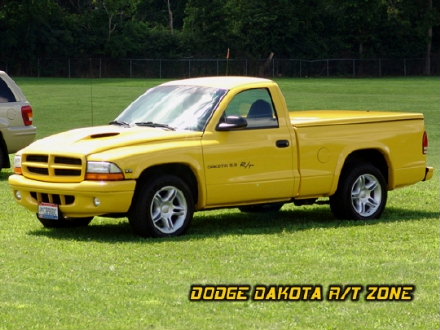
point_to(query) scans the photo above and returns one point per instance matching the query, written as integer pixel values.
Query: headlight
(17, 164)
(103, 171)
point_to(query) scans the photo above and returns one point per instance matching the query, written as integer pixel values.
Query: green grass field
(104, 277)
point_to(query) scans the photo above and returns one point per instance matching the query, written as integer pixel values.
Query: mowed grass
(104, 277)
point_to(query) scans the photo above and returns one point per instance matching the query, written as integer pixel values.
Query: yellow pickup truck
(206, 143)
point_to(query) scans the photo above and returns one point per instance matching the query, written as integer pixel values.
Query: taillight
(26, 113)
(425, 143)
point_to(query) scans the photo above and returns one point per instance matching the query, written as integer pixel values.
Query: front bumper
(75, 199)
(429, 172)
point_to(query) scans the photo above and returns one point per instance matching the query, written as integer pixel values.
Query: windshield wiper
(152, 124)
(119, 123)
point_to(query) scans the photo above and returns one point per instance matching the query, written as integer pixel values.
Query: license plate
(48, 211)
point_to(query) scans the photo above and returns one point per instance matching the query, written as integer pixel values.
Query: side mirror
(232, 123)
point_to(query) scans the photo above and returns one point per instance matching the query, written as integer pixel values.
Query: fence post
(327, 69)
(273, 68)
(68, 66)
(380, 67)
(300, 68)
(354, 67)
(131, 68)
(38, 67)
(189, 68)
(160, 68)
(404, 67)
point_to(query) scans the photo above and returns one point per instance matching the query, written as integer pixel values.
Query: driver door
(252, 164)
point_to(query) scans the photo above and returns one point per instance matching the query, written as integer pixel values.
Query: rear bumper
(429, 172)
(75, 199)
(17, 138)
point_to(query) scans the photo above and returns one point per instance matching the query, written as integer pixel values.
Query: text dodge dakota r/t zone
(214, 142)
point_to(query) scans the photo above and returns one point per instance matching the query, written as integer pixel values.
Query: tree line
(31, 29)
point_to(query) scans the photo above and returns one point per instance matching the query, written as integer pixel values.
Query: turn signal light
(105, 176)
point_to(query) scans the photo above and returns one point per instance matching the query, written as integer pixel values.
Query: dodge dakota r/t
(215, 142)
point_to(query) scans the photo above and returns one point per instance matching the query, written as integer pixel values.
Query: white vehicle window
(6, 94)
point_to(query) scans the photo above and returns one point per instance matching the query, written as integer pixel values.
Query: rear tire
(163, 207)
(361, 194)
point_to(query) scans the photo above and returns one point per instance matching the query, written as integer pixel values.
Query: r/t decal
(243, 164)
(246, 164)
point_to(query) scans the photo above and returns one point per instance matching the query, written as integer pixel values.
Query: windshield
(175, 107)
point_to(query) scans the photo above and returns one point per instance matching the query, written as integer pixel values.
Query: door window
(256, 106)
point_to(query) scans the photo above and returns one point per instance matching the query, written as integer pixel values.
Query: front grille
(67, 160)
(53, 168)
(37, 158)
(38, 170)
(53, 198)
(65, 172)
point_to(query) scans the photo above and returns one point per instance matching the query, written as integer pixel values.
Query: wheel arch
(372, 156)
(183, 171)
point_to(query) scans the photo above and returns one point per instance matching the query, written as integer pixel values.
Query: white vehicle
(16, 129)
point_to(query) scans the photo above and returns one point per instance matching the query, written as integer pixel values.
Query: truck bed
(343, 117)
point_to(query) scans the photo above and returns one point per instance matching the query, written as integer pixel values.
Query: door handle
(282, 143)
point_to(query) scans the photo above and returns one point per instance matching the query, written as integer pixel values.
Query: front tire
(361, 194)
(163, 207)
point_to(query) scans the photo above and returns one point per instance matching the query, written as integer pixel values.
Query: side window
(256, 106)
(6, 94)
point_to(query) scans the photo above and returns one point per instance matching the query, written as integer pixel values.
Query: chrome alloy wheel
(168, 209)
(366, 195)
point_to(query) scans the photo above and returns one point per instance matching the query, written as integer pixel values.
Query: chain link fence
(192, 67)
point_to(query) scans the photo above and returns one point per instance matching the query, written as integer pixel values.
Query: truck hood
(97, 139)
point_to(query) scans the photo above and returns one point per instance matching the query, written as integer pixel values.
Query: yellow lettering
(283, 292)
(272, 294)
(196, 293)
(220, 293)
(371, 292)
(356, 292)
(259, 292)
(316, 294)
(395, 292)
(295, 293)
(407, 293)
(306, 291)
(242, 290)
(334, 292)
(382, 293)
(209, 293)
